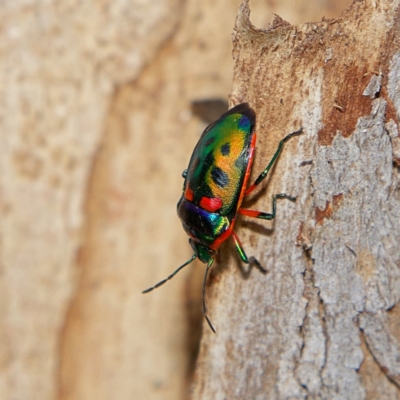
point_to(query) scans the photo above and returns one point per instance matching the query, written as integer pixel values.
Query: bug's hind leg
(243, 256)
(263, 174)
(264, 215)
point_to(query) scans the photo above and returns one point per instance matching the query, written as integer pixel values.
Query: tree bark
(324, 322)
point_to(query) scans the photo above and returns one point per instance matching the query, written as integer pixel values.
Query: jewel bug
(215, 184)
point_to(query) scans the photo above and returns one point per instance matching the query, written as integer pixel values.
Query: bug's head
(203, 253)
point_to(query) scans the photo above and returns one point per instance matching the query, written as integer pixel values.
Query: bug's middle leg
(264, 215)
(243, 256)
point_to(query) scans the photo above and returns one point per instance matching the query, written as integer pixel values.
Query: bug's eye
(184, 173)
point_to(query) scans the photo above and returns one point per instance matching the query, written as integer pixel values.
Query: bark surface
(324, 322)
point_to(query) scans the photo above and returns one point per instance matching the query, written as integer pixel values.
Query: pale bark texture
(324, 322)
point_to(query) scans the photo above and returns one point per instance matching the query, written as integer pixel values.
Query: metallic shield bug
(215, 185)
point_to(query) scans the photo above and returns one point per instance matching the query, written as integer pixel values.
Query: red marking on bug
(189, 194)
(211, 204)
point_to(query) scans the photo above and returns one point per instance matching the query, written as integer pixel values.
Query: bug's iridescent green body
(215, 178)
(215, 184)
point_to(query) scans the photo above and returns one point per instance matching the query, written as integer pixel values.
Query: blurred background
(102, 103)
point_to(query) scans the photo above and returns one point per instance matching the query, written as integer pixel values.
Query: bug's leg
(263, 174)
(263, 215)
(171, 276)
(203, 294)
(243, 255)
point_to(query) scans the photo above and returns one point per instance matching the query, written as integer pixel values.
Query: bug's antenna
(171, 276)
(204, 291)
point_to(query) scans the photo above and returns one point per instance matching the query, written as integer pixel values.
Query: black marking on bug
(208, 161)
(226, 149)
(219, 177)
(198, 170)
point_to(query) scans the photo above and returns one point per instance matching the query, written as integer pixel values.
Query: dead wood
(324, 322)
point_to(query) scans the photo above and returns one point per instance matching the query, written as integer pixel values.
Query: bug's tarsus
(203, 295)
(170, 276)
(243, 256)
(286, 196)
(287, 137)
(274, 197)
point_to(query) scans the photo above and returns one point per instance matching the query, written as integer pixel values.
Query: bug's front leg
(264, 174)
